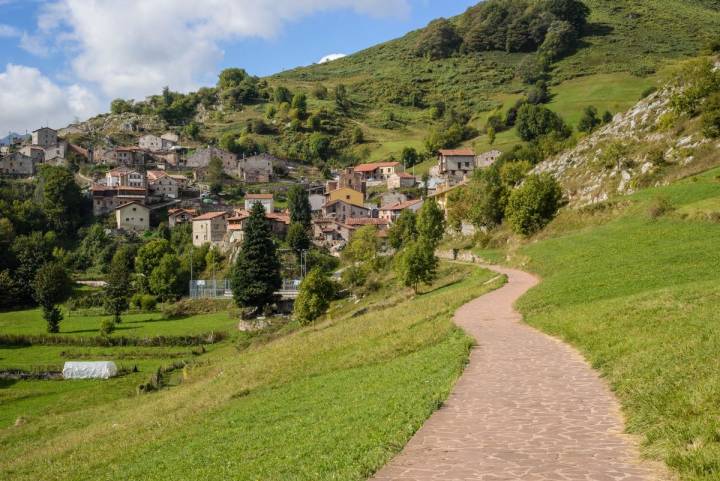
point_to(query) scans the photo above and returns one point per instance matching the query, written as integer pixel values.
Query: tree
(404, 230)
(711, 117)
(298, 238)
(431, 222)
(560, 40)
(438, 40)
(358, 137)
(213, 259)
(532, 205)
(342, 102)
(538, 93)
(534, 121)
(364, 247)
(148, 258)
(282, 94)
(319, 146)
(417, 264)
(60, 198)
(168, 280)
(117, 288)
(409, 157)
(299, 103)
(215, 173)
(256, 274)
(231, 77)
(316, 292)
(531, 69)
(320, 91)
(607, 117)
(299, 205)
(31, 252)
(491, 135)
(121, 106)
(589, 120)
(192, 130)
(51, 286)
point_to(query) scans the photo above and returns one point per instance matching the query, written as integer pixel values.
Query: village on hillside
(160, 180)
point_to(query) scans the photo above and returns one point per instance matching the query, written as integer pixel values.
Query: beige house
(341, 210)
(265, 199)
(257, 169)
(400, 180)
(35, 152)
(159, 183)
(201, 159)
(106, 199)
(45, 137)
(132, 217)
(17, 165)
(209, 228)
(378, 171)
(154, 143)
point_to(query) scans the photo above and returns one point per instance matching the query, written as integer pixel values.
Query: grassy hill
(634, 287)
(332, 401)
(625, 49)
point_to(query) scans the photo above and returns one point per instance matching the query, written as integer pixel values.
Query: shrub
(534, 204)
(438, 40)
(354, 276)
(107, 327)
(148, 303)
(659, 207)
(316, 292)
(711, 117)
(534, 121)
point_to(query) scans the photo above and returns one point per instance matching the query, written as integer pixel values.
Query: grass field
(331, 401)
(639, 297)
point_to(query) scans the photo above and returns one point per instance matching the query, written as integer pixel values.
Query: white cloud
(331, 57)
(8, 30)
(29, 99)
(132, 48)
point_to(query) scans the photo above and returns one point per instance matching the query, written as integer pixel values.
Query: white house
(456, 163)
(265, 199)
(132, 217)
(160, 183)
(124, 177)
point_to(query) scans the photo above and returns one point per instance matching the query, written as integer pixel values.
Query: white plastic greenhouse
(89, 370)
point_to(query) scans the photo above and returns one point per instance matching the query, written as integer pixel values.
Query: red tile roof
(258, 196)
(401, 205)
(210, 215)
(374, 166)
(457, 152)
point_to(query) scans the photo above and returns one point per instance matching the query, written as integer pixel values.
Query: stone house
(210, 228)
(17, 164)
(106, 199)
(390, 213)
(201, 159)
(488, 158)
(180, 216)
(160, 183)
(279, 224)
(132, 217)
(341, 210)
(266, 200)
(256, 169)
(153, 143)
(45, 137)
(55, 151)
(348, 178)
(35, 152)
(400, 180)
(457, 163)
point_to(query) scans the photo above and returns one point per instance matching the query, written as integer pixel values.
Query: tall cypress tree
(256, 274)
(299, 205)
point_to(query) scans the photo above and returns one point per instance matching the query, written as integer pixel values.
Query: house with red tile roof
(390, 213)
(378, 170)
(210, 227)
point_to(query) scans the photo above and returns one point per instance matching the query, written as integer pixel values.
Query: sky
(65, 60)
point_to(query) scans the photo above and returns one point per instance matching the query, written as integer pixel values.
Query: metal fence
(220, 288)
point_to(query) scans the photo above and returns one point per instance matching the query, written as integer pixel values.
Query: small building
(201, 159)
(124, 177)
(128, 156)
(378, 170)
(390, 213)
(279, 224)
(180, 216)
(55, 151)
(346, 194)
(160, 183)
(35, 152)
(256, 169)
(132, 216)
(266, 200)
(317, 201)
(487, 159)
(348, 178)
(210, 227)
(17, 164)
(401, 180)
(106, 199)
(153, 143)
(45, 137)
(390, 198)
(456, 163)
(341, 210)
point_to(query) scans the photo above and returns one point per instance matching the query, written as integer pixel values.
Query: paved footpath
(527, 407)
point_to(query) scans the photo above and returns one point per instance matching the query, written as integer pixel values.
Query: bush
(659, 207)
(711, 117)
(534, 204)
(438, 40)
(354, 276)
(148, 303)
(107, 327)
(316, 292)
(534, 121)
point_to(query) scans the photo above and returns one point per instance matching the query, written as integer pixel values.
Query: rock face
(638, 147)
(121, 123)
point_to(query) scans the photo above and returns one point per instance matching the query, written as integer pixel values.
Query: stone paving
(527, 407)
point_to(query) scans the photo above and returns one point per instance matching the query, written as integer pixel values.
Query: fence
(220, 288)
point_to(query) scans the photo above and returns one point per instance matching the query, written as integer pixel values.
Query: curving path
(527, 407)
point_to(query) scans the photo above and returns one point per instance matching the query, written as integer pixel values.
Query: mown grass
(331, 401)
(639, 297)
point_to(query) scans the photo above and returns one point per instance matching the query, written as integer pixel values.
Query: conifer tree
(256, 274)
(117, 288)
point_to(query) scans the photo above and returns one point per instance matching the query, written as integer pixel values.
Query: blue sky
(62, 60)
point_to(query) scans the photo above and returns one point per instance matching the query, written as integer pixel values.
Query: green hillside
(634, 287)
(395, 97)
